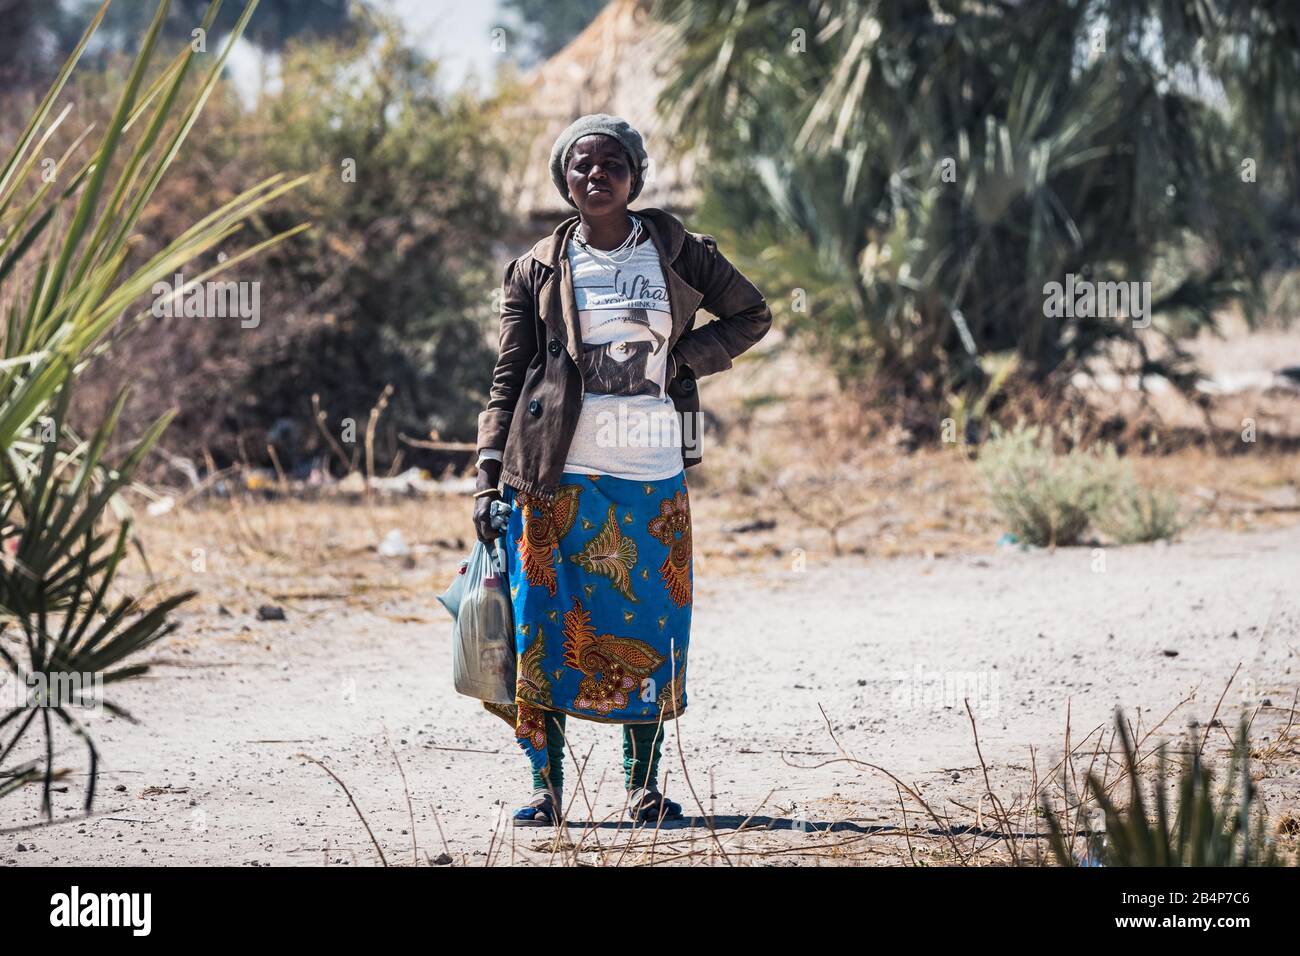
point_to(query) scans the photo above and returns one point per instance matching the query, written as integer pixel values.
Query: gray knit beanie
(606, 125)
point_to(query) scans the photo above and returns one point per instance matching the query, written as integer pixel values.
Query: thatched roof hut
(614, 66)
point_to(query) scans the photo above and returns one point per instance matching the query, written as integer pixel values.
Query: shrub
(394, 283)
(1047, 499)
(1202, 832)
(1137, 514)
(922, 174)
(67, 286)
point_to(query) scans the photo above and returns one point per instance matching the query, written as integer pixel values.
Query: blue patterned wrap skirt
(600, 584)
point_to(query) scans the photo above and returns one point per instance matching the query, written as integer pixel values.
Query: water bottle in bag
(483, 632)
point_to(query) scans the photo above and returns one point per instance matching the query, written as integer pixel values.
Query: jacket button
(688, 385)
(535, 407)
(554, 347)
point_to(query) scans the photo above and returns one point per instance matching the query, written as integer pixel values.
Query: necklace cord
(626, 248)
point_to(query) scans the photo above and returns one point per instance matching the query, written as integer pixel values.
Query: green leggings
(641, 748)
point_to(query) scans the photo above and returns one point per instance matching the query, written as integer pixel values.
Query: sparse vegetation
(66, 287)
(1137, 514)
(1203, 830)
(392, 285)
(1047, 499)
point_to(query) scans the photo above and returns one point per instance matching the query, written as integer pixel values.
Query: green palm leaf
(61, 542)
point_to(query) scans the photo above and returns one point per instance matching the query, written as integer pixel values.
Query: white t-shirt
(628, 426)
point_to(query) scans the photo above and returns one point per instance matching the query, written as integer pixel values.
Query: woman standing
(592, 421)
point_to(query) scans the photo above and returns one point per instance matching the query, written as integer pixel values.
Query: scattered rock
(442, 859)
(1169, 652)
(270, 612)
(161, 506)
(394, 545)
(758, 524)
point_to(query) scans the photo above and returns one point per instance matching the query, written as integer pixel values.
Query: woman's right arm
(518, 345)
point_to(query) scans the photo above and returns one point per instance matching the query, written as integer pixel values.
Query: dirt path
(212, 773)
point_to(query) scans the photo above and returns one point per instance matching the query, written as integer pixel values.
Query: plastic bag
(483, 632)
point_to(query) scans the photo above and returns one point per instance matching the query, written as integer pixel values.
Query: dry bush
(1047, 499)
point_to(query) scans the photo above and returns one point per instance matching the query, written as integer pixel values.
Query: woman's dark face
(598, 175)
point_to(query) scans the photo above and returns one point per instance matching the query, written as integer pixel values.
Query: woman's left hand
(488, 477)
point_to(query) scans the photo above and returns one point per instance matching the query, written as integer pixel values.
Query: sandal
(651, 806)
(542, 811)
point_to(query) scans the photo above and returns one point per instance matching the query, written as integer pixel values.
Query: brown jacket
(537, 388)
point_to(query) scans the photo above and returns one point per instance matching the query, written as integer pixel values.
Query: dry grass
(827, 474)
(1005, 827)
(835, 475)
(788, 448)
(306, 556)
(878, 503)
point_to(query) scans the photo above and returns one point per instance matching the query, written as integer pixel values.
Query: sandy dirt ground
(799, 661)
